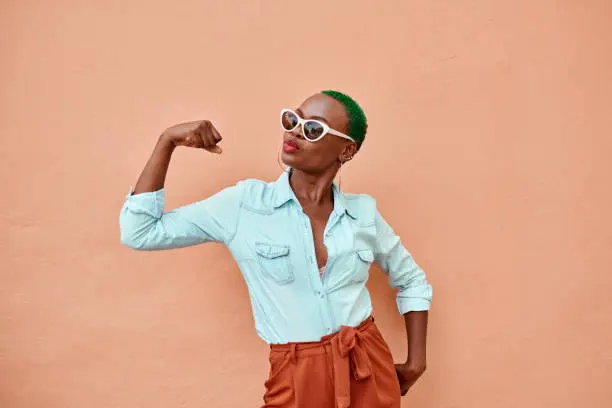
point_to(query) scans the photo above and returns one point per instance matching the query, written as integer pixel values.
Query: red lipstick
(289, 146)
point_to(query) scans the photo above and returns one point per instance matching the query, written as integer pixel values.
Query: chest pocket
(274, 262)
(363, 259)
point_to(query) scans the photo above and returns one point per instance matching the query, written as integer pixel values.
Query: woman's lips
(290, 147)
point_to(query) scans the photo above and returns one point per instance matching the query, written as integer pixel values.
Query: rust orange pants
(351, 368)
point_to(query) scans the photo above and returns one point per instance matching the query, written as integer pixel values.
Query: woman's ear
(348, 152)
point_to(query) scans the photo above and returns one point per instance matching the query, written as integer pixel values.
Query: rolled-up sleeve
(414, 292)
(145, 226)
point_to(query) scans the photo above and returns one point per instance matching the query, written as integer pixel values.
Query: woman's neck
(312, 188)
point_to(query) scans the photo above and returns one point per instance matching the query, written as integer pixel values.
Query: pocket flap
(366, 255)
(271, 250)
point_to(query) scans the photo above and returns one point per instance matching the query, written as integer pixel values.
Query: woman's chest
(288, 247)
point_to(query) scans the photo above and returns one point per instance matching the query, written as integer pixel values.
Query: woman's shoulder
(361, 206)
(360, 198)
(257, 194)
(242, 187)
(255, 184)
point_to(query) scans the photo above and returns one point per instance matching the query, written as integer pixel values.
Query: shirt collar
(284, 193)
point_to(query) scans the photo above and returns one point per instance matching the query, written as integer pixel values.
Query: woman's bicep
(144, 225)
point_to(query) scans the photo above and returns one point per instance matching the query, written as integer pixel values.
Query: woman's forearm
(416, 331)
(153, 175)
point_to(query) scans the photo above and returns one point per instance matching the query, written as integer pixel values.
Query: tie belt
(348, 356)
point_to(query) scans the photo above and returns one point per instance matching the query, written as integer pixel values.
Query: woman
(305, 249)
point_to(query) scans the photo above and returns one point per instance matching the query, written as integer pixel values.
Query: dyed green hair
(358, 124)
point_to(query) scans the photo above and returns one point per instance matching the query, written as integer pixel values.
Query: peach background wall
(489, 151)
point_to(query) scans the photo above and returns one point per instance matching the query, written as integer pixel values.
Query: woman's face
(316, 157)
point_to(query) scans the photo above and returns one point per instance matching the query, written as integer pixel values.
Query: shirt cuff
(150, 202)
(405, 305)
(413, 302)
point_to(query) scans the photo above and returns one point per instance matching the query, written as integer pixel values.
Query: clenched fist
(200, 134)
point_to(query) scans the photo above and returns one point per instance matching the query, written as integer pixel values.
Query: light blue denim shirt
(270, 237)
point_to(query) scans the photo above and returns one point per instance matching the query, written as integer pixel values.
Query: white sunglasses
(312, 129)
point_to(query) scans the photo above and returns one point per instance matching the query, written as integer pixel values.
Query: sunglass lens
(289, 120)
(312, 129)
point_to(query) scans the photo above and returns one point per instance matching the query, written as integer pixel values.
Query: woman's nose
(297, 132)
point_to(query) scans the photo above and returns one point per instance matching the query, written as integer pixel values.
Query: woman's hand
(407, 375)
(200, 134)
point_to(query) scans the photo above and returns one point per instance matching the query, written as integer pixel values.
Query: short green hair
(358, 124)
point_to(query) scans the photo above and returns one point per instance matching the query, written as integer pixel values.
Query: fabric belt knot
(348, 355)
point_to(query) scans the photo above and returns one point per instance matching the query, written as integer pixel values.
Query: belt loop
(293, 354)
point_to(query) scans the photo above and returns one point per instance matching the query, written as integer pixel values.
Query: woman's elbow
(133, 235)
(133, 232)
(133, 241)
